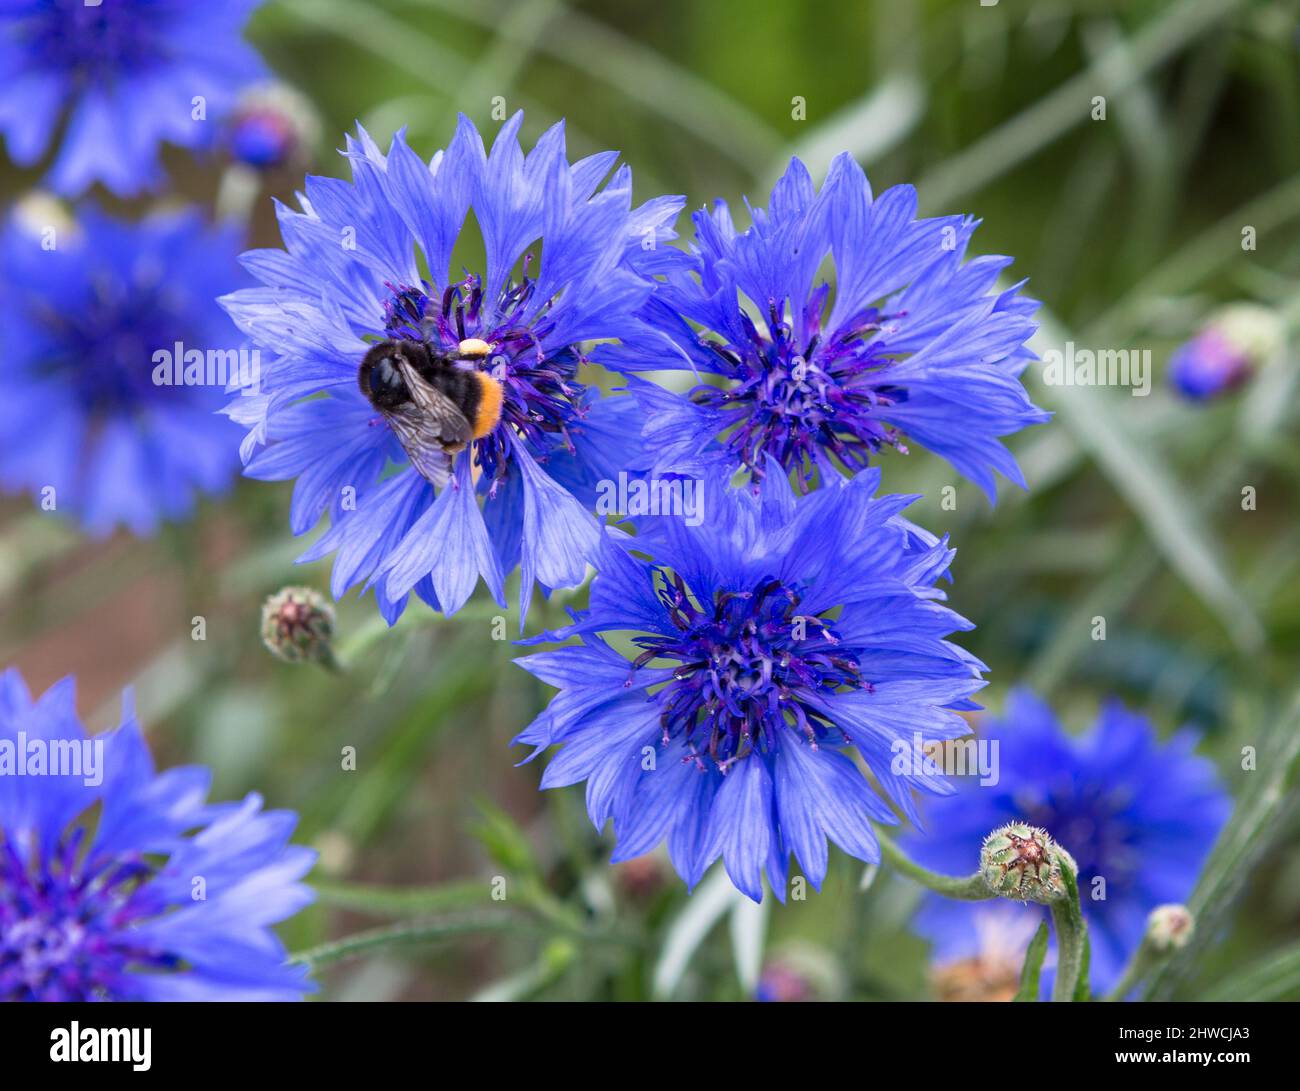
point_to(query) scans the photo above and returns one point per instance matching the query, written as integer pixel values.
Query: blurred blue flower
(1133, 812)
(1238, 338)
(125, 76)
(914, 343)
(119, 883)
(369, 260)
(780, 984)
(1208, 365)
(772, 642)
(87, 308)
(263, 139)
(273, 126)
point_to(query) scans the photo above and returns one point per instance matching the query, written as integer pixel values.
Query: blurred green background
(1130, 232)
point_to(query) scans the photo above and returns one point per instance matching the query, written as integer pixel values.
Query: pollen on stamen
(740, 684)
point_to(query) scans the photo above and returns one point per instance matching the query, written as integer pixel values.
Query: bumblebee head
(380, 375)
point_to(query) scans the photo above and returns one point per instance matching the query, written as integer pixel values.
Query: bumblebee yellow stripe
(489, 405)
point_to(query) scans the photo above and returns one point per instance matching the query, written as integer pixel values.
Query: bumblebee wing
(421, 439)
(430, 427)
(444, 415)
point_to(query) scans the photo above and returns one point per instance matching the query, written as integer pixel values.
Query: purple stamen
(64, 925)
(802, 406)
(742, 675)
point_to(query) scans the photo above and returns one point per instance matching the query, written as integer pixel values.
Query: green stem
(400, 901)
(411, 933)
(1071, 940)
(970, 888)
(1144, 960)
(424, 930)
(1069, 949)
(1262, 811)
(464, 894)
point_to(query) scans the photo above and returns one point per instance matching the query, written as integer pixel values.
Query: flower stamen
(741, 675)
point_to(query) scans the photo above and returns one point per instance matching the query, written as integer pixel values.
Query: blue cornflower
(125, 76)
(1238, 339)
(1133, 812)
(769, 645)
(370, 260)
(912, 342)
(95, 420)
(120, 883)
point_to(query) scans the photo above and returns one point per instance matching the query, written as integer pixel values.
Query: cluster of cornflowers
(734, 679)
(734, 675)
(117, 881)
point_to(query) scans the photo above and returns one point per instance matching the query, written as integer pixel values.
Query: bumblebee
(436, 403)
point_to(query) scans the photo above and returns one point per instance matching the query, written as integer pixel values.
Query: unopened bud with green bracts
(298, 626)
(1023, 862)
(1169, 927)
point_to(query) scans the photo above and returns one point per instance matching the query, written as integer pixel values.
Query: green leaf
(1055, 114)
(866, 128)
(1274, 977)
(1032, 970)
(505, 842)
(556, 959)
(400, 46)
(1166, 509)
(643, 74)
(714, 897)
(1261, 814)
(748, 937)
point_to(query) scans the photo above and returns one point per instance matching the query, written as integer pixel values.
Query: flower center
(540, 398)
(103, 350)
(801, 402)
(750, 666)
(65, 927)
(93, 42)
